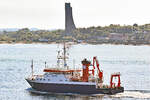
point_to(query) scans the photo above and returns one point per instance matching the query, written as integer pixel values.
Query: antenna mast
(65, 57)
(32, 67)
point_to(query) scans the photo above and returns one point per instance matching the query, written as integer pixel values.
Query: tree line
(101, 34)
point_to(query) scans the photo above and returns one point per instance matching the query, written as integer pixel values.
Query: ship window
(48, 79)
(40, 79)
(60, 80)
(54, 75)
(43, 79)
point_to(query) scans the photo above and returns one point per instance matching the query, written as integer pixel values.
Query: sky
(50, 14)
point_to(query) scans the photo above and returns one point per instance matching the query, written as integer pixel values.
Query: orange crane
(112, 85)
(100, 72)
(86, 70)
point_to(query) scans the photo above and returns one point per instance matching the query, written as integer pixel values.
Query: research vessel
(63, 79)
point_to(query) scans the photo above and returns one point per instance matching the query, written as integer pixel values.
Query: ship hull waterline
(72, 88)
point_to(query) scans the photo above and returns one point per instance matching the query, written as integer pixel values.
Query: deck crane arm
(100, 72)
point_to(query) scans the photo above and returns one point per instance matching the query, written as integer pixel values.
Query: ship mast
(64, 56)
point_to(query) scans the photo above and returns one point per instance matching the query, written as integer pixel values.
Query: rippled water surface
(132, 61)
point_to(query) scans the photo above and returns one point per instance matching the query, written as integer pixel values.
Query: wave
(126, 62)
(14, 60)
(138, 94)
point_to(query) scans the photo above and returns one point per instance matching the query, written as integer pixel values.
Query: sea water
(133, 62)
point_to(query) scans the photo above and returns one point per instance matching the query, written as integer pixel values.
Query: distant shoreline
(73, 43)
(112, 34)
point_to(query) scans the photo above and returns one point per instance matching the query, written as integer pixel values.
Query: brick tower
(69, 23)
